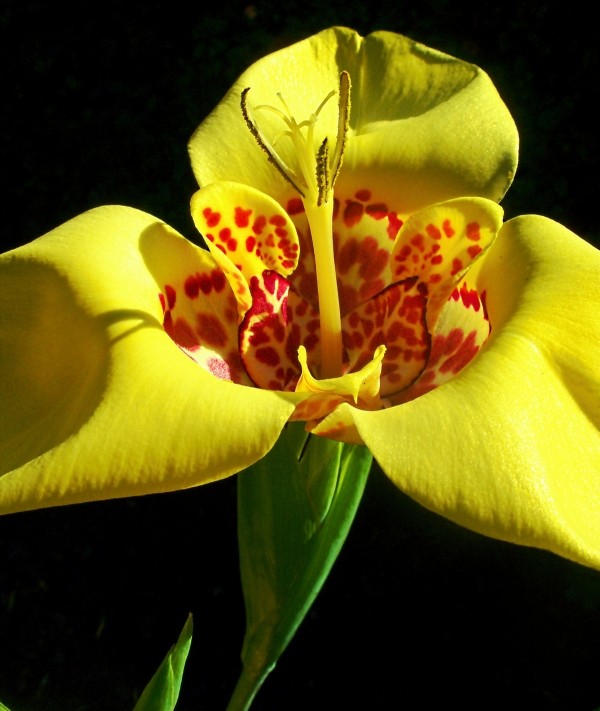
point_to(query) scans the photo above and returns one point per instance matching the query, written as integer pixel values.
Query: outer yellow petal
(511, 446)
(97, 400)
(424, 127)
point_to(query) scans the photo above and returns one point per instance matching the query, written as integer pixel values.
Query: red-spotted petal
(275, 326)
(395, 318)
(247, 232)
(460, 331)
(364, 230)
(441, 242)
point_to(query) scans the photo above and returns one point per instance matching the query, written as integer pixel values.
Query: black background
(98, 103)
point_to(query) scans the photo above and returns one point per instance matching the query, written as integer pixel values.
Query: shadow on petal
(55, 360)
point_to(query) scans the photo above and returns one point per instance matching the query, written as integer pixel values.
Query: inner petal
(460, 331)
(246, 232)
(440, 243)
(200, 316)
(278, 322)
(364, 231)
(394, 318)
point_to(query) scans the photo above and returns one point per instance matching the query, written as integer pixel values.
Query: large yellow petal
(97, 400)
(424, 126)
(510, 447)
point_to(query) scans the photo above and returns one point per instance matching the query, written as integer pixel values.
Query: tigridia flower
(358, 277)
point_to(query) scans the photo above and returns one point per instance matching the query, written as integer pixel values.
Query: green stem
(246, 688)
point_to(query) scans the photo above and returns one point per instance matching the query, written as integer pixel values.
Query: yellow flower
(357, 278)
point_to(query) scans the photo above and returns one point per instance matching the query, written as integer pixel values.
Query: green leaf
(162, 691)
(295, 509)
(3, 707)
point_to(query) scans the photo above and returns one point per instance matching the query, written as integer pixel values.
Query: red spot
(210, 330)
(473, 251)
(403, 254)
(372, 259)
(295, 206)
(363, 195)
(268, 356)
(257, 338)
(310, 342)
(347, 256)
(181, 332)
(464, 354)
(191, 287)
(435, 278)
(357, 339)
(433, 231)
(473, 231)
(377, 210)
(470, 298)
(308, 286)
(353, 213)
(301, 308)
(394, 224)
(259, 224)
(438, 259)
(242, 217)
(278, 221)
(232, 245)
(457, 265)
(483, 299)
(204, 283)
(419, 242)
(218, 280)
(354, 319)
(212, 218)
(448, 229)
(161, 298)
(171, 296)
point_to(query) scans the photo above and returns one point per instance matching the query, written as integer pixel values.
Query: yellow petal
(510, 447)
(97, 400)
(423, 125)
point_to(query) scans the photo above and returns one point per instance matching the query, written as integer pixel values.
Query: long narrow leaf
(295, 509)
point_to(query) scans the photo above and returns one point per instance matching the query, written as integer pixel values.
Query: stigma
(313, 170)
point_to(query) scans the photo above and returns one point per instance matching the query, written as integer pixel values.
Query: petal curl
(423, 125)
(510, 447)
(97, 400)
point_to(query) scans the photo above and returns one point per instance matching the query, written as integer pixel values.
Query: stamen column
(320, 220)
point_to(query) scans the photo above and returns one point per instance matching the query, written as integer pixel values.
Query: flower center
(312, 174)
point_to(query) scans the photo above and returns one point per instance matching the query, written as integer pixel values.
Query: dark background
(98, 102)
